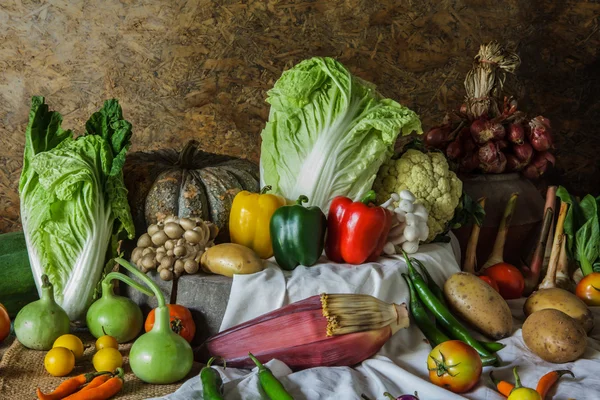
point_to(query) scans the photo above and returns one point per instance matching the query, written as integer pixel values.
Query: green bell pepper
(298, 234)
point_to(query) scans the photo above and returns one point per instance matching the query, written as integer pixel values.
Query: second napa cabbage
(328, 133)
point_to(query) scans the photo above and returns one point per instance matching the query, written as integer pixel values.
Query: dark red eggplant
(516, 133)
(540, 134)
(485, 130)
(523, 152)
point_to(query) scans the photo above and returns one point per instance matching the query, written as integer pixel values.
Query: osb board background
(200, 68)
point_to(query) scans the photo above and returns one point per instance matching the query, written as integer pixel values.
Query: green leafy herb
(467, 212)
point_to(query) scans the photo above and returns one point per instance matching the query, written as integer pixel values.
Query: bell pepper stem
(106, 286)
(369, 197)
(265, 189)
(301, 199)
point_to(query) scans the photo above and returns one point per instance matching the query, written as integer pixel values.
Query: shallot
(523, 152)
(539, 134)
(539, 165)
(437, 137)
(497, 167)
(513, 164)
(485, 130)
(454, 150)
(516, 133)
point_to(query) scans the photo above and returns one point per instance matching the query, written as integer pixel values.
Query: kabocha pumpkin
(187, 184)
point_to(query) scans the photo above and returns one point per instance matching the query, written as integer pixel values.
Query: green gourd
(159, 356)
(41, 322)
(114, 315)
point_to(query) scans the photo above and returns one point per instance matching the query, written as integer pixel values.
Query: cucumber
(17, 287)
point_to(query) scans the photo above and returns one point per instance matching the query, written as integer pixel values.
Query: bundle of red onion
(488, 134)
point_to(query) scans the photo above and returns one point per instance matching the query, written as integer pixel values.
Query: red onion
(516, 134)
(470, 162)
(469, 145)
(488, 153)
(437, 137)
(538, 165)
(540, 134)
(496, 167)
(454, 150)
(513, 164)
(502, 144)
(484, 130)
(524, 152)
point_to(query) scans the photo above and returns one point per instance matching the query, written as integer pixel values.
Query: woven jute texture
(22, 371)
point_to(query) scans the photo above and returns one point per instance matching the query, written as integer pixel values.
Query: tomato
(106, 341)
(107, 359)
(490, 282)
(59, 361)
(4, 323)
(182, 322)
(454, 365)
(509, 279)
(70, 342)
(588, 289)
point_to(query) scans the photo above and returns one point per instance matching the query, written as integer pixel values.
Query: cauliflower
(429, 178)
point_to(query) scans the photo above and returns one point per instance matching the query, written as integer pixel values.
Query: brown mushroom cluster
(174, 246)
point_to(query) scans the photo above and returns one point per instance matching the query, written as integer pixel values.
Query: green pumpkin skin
(120, 317)
(161, 356)
(41, 322)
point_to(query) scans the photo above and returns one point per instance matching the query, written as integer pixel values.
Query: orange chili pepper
(69, 386)
(547, 381)
(502, 386)
(97, 381)
(105, 391)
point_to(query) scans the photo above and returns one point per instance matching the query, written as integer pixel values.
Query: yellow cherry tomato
(106, 341)
(107, 359)
(524, 394)
(59, 361)
(70, 342)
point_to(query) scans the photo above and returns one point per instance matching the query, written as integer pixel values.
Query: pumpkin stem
(187, 154)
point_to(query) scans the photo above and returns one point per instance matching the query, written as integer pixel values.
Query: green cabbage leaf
(328, 133)
(73, 200)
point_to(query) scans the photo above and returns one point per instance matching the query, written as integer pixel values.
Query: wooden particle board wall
(200, 69)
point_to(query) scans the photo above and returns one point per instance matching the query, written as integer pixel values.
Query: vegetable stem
(550, 278)
(550, 204)
(265, 189)
(470, 264)
(369, 197)
(107, 286)
(497, 255)
(302, 199)
(532, 273)
(128, 266)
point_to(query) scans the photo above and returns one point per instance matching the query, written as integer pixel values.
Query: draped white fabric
(400, 366)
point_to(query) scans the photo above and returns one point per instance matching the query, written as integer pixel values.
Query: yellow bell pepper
(250, 218)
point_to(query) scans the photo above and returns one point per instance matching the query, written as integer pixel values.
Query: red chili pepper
(356, 232)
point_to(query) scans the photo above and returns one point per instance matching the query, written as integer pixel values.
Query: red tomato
(490, 282)
(509, 279)
(182, 322)
(4, 323)
(588, 289)
(454, 365)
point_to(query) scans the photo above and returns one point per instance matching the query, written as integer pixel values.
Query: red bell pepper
(356, 232)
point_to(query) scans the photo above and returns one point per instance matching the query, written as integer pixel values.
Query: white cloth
(400, 366)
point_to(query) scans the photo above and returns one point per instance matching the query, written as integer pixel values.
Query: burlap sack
(22, 371)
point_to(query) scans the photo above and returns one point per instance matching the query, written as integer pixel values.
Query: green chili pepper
(433, 335)
(272, 387)
(437, 291)
(442, 314)
(298, 234)
(212, 384)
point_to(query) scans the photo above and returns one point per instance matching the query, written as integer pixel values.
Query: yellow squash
(249, 220)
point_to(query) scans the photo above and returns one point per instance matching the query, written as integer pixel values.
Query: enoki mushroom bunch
(174, 246)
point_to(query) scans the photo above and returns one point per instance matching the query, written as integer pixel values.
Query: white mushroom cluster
(174, 246)
(409, 226)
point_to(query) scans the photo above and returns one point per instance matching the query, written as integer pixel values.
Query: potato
(554, 336)
(561, 300)
(230, 258)
(479, 304)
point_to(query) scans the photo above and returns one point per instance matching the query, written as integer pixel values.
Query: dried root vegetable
(174, 246)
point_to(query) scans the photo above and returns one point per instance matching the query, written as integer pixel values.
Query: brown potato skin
(477, 303)
(229, 258)
(554, 336)
(561, 300)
